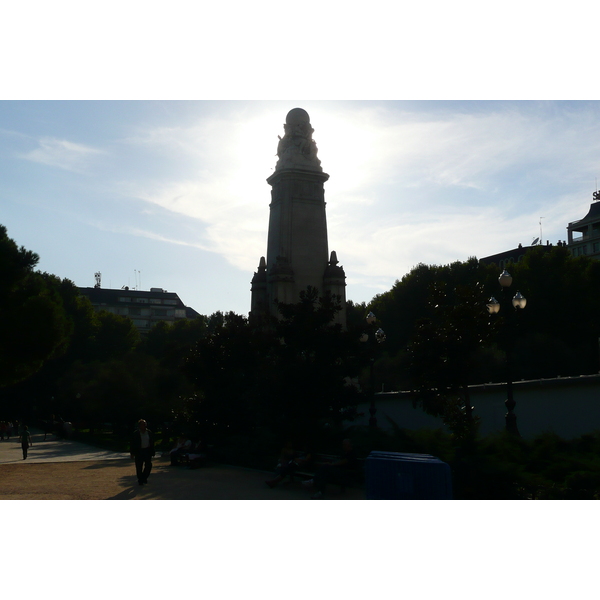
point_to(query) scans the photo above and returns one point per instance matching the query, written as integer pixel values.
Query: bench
(308, 471)
(194, 463)
(198, 461)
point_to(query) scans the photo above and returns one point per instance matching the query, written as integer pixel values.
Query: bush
(500, 466)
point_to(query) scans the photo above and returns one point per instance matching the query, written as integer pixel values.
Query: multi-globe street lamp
(494, 306)
(377, 337)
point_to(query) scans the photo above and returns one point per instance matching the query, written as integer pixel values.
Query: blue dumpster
(405, 476)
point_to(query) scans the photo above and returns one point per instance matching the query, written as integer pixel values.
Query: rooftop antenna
(541, 239)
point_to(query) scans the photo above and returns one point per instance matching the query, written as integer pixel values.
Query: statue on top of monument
(297, 149)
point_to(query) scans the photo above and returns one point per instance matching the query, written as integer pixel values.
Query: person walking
(25, 441)
(142, 451)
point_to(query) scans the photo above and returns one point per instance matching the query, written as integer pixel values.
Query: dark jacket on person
(136, 442)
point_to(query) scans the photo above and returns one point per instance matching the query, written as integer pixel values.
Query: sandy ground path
(67, 470)
(115, 480)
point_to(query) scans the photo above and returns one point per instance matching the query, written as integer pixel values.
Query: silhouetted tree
(444, 352)
(288, 377)
(33, 325)
(223, 367)
(171, 342)
(557, 332)
(561, 322)
(311, 366)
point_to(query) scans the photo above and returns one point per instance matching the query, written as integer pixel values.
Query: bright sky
(172, 194)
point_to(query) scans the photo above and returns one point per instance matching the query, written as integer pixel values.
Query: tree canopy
(34, 326)
(288, 376)
(558, 330)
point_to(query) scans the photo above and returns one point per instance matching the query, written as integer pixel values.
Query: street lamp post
(518, 303)
(378, 337)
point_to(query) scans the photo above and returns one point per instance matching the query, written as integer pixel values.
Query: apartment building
(145, 309)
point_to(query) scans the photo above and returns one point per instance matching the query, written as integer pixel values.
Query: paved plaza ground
(69, 470)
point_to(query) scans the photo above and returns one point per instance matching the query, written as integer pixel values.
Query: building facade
(297, 249)
(145, 309)
(583, 239)
(503, 259)
(584, 235)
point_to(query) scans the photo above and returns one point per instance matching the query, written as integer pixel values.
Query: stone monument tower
(297, 252)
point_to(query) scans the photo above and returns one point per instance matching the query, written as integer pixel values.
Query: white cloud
(405, 187)
(462, 185)
(230, 161)
(160, 238)
(62, 154)
(232, 226)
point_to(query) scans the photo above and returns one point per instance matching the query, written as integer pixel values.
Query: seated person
(342, 472)
(197, 455)
(289, 462)
(182, 447)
